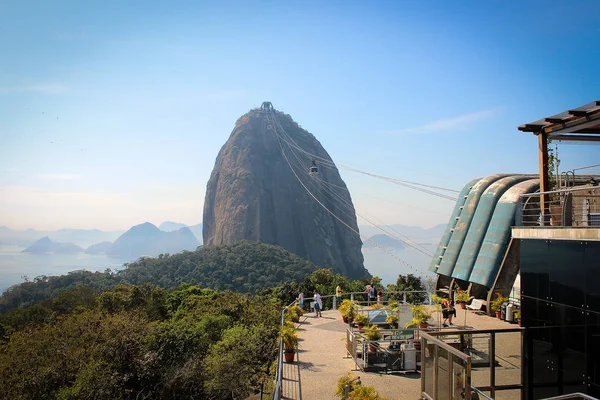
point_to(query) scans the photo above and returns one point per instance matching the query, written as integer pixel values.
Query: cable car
(313, 169)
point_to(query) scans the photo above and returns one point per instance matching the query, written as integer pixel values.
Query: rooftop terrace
(322, 359)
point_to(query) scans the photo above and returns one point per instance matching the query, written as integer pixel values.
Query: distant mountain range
(141, 240)
(170, 237)
(80, 237)
(386, 264)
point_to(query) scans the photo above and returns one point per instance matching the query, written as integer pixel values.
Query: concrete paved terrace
(322, 359)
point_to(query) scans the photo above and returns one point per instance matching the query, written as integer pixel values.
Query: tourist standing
(300, 299)
(445, 311)
(372, 297)
(451, 312)
(338, 294)
(318, 304)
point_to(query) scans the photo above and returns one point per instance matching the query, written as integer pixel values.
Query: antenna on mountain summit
(266, 106)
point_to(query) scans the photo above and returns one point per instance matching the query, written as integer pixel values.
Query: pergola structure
(581, 124)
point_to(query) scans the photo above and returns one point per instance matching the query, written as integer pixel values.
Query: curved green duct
(462, 197)
(498, 234)
(479, 225)
(462, 225)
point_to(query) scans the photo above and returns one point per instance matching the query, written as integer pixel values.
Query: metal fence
(455, 364)
(577, 207)
(277, 393)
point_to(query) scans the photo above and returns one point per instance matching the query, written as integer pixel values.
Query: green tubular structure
(496, 239)
(462, 225)
(462, 197)
(479, 225)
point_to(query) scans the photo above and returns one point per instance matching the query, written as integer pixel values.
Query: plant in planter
(372, 334)
(420, 316)
(298, 310)
(517, 316)
(497, 303)
(435, 299)
(347, 384)
(393, 304)
(365, 393)
(292, 315)
(462, 297)
(376, 306)
(392, 319)
(361, 320)
(348, 310)
(290, 341)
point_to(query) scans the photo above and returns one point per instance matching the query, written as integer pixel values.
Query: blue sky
(112, 113)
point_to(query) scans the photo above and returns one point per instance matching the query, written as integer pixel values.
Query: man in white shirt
(318, 304)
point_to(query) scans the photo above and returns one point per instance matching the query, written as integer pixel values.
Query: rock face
(253, 194)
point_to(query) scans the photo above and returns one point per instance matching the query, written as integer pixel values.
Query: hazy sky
(112, 113)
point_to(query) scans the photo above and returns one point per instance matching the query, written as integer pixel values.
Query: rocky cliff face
(254, 195)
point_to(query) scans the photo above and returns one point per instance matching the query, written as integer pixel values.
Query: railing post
(404, 297)
(352, 296)
(335, 302)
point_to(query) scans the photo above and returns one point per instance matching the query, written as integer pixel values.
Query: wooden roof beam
(575, 138)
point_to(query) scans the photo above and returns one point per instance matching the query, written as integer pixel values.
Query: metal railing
(571, 396)
(455, 364)
(577, 207)
(279, 373)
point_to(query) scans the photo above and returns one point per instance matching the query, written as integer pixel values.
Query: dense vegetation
(242, 267)
(138, 342)
(121, 335)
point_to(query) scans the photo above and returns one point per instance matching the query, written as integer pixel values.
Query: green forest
(139, 342)
(243, 267)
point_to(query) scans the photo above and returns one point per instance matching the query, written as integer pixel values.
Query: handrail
(571, 396)
(431, 338)
(279, 374)
(481, 393)
(575, 189)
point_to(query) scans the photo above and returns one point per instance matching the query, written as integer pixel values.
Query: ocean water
(15, 265)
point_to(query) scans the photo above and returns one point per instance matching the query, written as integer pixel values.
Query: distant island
(47, 246)
(383, 241)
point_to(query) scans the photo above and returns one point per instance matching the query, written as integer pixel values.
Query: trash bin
(503, 310)
(509, 312)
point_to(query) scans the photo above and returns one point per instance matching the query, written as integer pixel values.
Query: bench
(477, 304)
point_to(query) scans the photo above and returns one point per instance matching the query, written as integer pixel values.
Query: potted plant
(376, 306)
(392, 319)
(361, 320)
(462, 297)
(293, 315)
(348, 310)
(298, 310)
(372, 334)
(346, 384)
(420, 316)
(497, 303)
(290, 341)
(517, 316)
